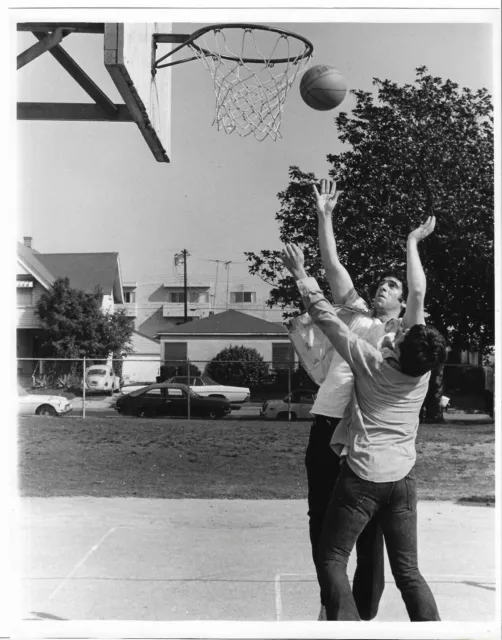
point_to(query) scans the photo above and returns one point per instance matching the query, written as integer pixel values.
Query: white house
(36, 273)
(201, 340)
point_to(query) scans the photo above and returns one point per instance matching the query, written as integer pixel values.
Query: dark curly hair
(422, 349)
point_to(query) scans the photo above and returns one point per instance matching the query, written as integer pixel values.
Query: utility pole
(185, 287)
(227, 267)
(182, 257)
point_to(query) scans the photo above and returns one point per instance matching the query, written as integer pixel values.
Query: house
(36, 273)
(158, 305)
(143, 364)
(201, 340)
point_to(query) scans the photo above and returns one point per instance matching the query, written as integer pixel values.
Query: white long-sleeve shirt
(381, 422)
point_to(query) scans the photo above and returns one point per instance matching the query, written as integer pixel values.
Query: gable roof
(86, 271)
(227, 322)
(33, 265)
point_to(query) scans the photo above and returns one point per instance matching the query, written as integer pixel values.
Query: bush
(177, 369)
(237, 365)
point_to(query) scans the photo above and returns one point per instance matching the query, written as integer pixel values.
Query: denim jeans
(323, 467)
(353, 503)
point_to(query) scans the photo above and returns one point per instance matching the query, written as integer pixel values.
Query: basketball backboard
(129, 50)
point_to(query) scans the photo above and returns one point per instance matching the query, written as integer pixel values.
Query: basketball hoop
(253, 68)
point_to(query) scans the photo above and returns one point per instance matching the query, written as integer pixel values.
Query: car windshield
(22, 392)
(96, 372)
(207, 380)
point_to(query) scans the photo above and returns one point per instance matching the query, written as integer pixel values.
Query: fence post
(188, 384)
(83, 388)
(289, 393)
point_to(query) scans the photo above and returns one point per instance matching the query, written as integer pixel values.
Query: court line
(312, 577)
(81, 562)
(428, 576)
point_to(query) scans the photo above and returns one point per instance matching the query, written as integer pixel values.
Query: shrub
(237, 365)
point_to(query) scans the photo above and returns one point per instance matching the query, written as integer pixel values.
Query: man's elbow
(416, 295)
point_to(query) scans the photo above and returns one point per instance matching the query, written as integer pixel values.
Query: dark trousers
(353, 503)
(323, 467)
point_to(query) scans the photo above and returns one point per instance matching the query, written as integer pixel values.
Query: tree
(412, 151)
(237, 365)
(77, 327)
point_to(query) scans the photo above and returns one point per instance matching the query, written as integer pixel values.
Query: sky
(90, 187)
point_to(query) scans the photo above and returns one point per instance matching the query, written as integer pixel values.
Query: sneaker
(322, 613)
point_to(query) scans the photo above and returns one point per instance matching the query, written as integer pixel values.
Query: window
(175, 351)
(129, 296)
(153, 393)
(193, 296)
(175, 393)
(242, 296)
(24, 297)
(24, 290)
(283, 355)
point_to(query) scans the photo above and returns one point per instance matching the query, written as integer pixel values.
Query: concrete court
(173, 560)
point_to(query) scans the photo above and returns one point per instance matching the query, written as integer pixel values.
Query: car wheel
(46, 410)
(217, 396)
(283, 415)
(214, 415)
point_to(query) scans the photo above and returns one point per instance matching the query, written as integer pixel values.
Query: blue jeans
(323, 467)
(353, 503)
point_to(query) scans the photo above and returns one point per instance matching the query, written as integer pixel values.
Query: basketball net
(252, 73)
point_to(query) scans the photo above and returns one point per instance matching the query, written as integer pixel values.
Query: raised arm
(337, 275)
(415, 275)
(352, 349)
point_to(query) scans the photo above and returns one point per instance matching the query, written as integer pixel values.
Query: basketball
(323, 87)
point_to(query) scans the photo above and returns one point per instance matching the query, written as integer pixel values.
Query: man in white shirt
(377, 439)
(328, 369)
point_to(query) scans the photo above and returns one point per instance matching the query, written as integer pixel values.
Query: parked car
(30, 404)
(298, 403)
(101, 377)
(208, 388)
(133, 387)
(169, 399)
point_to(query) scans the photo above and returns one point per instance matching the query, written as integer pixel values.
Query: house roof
(86, 271)
(227, 322)
(33, 265)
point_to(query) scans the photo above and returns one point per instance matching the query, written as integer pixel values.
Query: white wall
(140, 368)
(107, 304)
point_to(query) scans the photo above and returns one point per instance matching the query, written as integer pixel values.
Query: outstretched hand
(424, 230)
(294, 260)
(326, 198)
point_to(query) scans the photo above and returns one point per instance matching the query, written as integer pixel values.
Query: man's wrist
(299, 274)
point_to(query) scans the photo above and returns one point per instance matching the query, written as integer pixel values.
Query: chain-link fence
(279, 390)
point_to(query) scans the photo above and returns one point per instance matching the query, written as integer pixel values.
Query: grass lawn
(170, 458)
